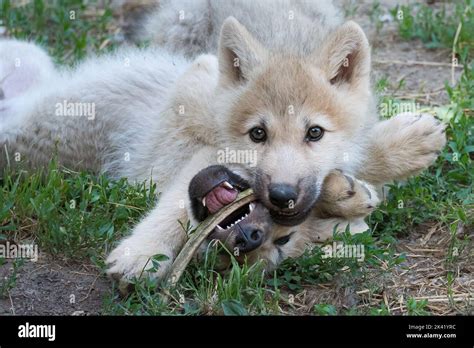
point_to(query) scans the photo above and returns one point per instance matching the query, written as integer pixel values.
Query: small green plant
(382, 310)
(437, 28)
(9, 281)
(325, 309)
(374, 13)
(415, 307)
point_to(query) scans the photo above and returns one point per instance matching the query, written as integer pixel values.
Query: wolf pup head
(248, 233)
(301, 115)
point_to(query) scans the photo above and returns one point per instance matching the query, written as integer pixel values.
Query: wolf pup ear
(239, 53)
(346, 56)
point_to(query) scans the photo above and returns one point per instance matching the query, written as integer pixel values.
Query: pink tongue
(220, 197)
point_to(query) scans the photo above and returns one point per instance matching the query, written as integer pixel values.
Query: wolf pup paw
(424, 137)
(406, 144)
(347, 197)
(132, 258)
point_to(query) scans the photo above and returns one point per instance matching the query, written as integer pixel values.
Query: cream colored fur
(192, 27)
(158, 115)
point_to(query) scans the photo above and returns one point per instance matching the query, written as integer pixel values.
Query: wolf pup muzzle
(289, 205)
(215, 187)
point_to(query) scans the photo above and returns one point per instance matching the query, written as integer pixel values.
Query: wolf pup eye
(258, 134)
(314, 133)
(282, 240)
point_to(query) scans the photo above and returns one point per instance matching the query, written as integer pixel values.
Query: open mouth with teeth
(227, 229)
(236, 217)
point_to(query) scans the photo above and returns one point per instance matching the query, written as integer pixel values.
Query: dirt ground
(423, 70)
(54, 287)
(57, 287)
(423, 277)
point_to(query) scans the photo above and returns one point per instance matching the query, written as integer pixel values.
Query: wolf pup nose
(283, 195)
(249, 238)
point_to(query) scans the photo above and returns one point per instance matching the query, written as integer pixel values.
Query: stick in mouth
(202, 233)
(227, 211)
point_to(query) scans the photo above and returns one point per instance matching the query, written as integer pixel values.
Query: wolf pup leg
(323, 229)
(160, 233)
(402, 146)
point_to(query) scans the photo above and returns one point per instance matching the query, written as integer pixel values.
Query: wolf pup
(298, 94)
(249, 234)
(300, 100)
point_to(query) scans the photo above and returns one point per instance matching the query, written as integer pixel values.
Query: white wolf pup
(306, 109)
(192, 27)
(36, 124)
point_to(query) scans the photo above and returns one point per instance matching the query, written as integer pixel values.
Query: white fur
(129, 91)
(23, 68)
(158, 115)
(192, 27)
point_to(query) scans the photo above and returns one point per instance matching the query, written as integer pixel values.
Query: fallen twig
(201, 233)
(417, 62)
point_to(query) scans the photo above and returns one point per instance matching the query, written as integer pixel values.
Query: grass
(68, 213)
(80, 216)
(437, 28)
(9, 282)
(68, 29)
